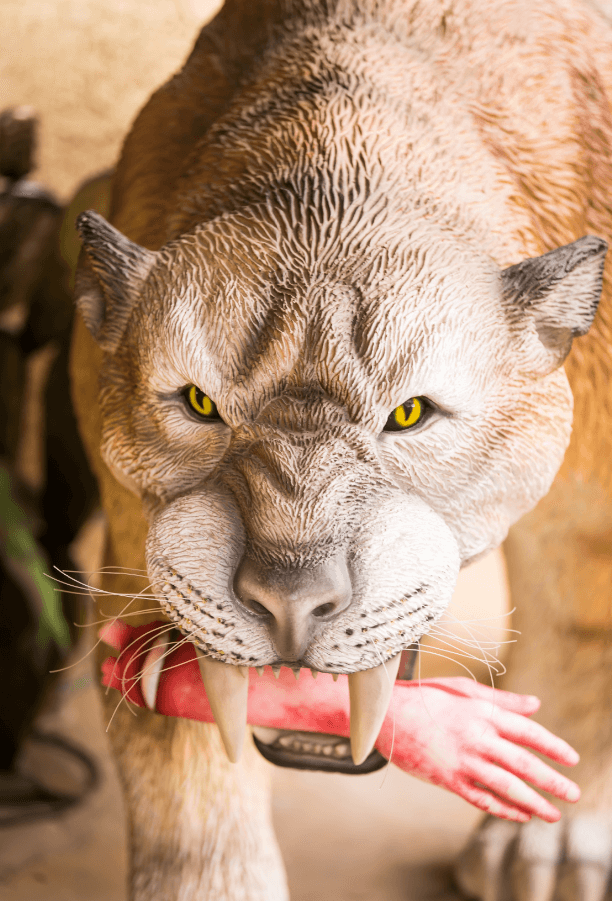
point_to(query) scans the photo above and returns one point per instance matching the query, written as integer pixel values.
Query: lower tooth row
(341, 750)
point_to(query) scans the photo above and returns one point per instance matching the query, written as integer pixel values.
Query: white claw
(588, 859)
(539, 849)
(370, 693)
(296, 673)
(482, 868)
(335, 676)
(276, 670)
(534, 880)
(227, 688)
(151, 669)
(587, 881)
(314, 673)
(260, 670)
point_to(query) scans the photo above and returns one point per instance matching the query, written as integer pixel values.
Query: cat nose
(296, 604)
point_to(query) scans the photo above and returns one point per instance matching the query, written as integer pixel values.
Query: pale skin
(454, 732)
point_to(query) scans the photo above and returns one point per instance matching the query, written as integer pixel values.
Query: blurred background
(73, 75)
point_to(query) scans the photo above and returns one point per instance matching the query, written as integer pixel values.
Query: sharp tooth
(260, 670)
(314, 673)
(370, 694)
(276, 670)
(227, 688)
(151, 669)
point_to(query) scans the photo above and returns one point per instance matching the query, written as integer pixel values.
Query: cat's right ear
(109, 278)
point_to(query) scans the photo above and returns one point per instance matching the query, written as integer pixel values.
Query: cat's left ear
(559, 292)
(110, 276)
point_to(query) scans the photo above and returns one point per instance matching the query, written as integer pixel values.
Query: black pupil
(392, 424)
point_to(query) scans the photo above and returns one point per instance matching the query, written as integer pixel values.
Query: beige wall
(88, 66)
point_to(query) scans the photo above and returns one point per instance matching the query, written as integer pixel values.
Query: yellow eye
(407, 415)
(201, 403)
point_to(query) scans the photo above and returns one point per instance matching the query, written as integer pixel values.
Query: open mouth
(312, 751)
(320, 751)
(227, 689)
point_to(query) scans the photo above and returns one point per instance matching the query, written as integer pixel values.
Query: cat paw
(570, 860)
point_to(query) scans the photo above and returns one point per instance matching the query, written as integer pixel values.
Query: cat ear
(559, 292)
(109, 279)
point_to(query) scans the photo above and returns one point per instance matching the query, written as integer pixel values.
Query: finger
(468, 688)
(532, 735)
(115, 634)
(484, 800)
(525, 705)
(511, 789)
(534, 880)
(523, 764)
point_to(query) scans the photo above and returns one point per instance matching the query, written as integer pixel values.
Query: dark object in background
(17, 142)
(36, 623)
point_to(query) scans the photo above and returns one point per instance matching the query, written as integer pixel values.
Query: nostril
(295, 604)
(256, 607)
(324, 610)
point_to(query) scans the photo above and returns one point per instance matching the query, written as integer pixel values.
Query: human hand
(473, 740)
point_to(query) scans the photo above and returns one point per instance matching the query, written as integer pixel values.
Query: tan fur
(534, 82)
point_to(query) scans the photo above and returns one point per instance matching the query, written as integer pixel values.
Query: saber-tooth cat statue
(326, 357)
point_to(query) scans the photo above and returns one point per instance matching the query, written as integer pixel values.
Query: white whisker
(422, 650)
(140, 641)
(109, 618)
(92, 649)
(486, 654)
(112, 570)
(433, 653)
(92, 589)
(450, 633)
(135, 679)
(463, 654)
(170, 650)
